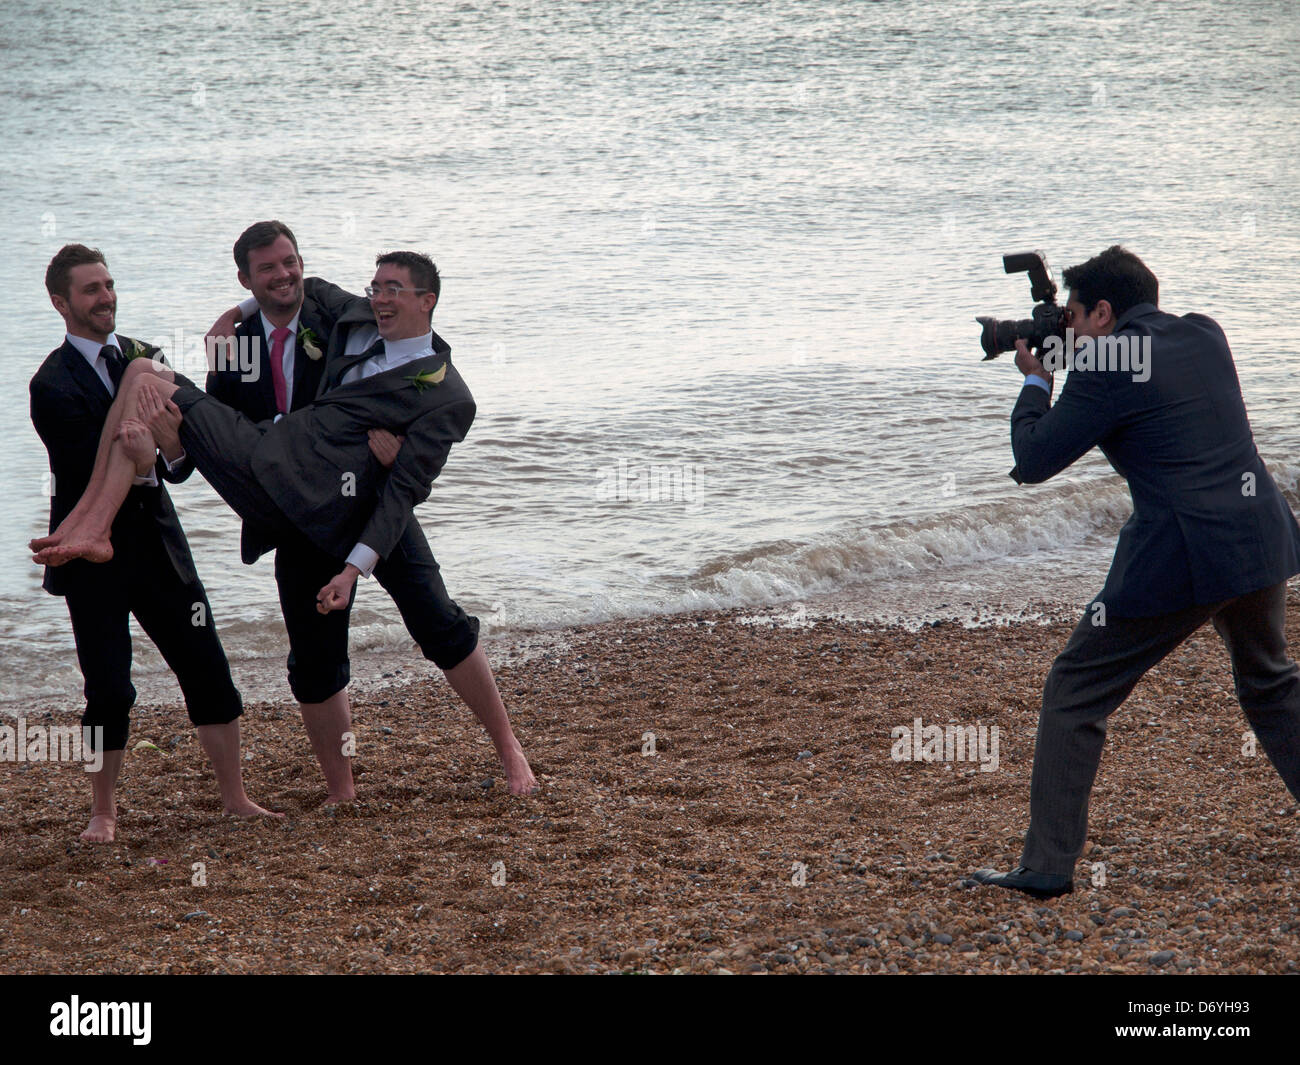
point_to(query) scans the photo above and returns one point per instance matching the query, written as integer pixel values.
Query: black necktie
(116, 364)
(377, 348)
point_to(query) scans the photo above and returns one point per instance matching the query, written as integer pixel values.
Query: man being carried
(312, 475)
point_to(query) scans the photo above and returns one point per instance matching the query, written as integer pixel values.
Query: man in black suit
(310, 481)
(324, 325)
(151, 574)
(1211, 539)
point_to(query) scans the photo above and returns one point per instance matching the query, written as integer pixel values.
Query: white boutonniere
(428, 379)
(309, 342)
(138, 351)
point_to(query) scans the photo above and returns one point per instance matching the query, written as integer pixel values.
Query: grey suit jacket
(317, 465)
(1208, 522)
(328, 311)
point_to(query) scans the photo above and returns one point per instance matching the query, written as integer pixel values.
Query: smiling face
(275, 278)
(401, 312)
(90, 308)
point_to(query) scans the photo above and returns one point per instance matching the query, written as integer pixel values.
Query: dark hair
(58, 279)
(260, 235)
(423, 273)
(1117, 276)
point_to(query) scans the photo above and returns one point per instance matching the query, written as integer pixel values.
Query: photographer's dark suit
(1211, 538)
(151, 574)
(318, 643)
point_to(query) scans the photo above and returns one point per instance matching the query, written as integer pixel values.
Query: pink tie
(278, 337)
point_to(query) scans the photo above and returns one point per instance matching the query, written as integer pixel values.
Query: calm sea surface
(710, 270)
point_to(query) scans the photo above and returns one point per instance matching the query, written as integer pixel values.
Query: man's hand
(384, 446)
(225, 325)
(220, 335)
(138, 443)
(1028, 363)
(338, 593)
(163, 418)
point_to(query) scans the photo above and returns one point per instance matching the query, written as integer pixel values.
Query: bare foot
(336, 797)
(101, 829)
(100, 550)
(248, 808)
(518, 775)
(42, 542)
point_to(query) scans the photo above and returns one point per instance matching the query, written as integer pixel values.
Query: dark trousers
(177, 618)
(318, 643)
(1094, 675)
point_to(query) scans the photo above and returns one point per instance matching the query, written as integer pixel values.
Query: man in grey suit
(1211, 539)
(312, 472)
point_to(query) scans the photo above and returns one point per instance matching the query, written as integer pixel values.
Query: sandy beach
(721, 794)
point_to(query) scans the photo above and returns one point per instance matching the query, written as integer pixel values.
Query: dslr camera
(1047, 318)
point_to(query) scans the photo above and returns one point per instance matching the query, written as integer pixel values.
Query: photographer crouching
(1211, 538)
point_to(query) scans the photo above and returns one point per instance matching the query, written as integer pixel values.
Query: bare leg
(473, 682)
(112, 421)
(103, 807)
(85, 532)
(221, 742)
(326, 723)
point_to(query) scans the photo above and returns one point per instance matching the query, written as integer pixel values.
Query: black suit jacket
(1208, 522)
(327, 311)
(68, 406)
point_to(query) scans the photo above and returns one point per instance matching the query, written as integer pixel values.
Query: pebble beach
(722, 793)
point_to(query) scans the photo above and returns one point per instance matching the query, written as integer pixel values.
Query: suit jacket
(317, 465)
(68, 406)
(328, 312)
(1208, 522)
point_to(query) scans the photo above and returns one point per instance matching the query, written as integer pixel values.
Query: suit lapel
(265, 385)
(86, 378)
(394, 379)
(306, 370)
(338, 366)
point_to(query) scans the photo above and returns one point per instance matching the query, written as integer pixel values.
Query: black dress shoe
(1040, 885)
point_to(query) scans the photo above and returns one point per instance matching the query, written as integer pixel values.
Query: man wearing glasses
(310, 480)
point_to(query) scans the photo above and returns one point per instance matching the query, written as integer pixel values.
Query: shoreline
(770, 830)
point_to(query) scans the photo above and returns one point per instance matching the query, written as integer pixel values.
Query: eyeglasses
(391, 291)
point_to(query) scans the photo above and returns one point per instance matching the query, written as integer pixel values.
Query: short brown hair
(259, 235)
(58, 275)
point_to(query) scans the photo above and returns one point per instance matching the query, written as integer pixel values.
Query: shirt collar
(268, 328)
(408, 349)
(90, 348)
